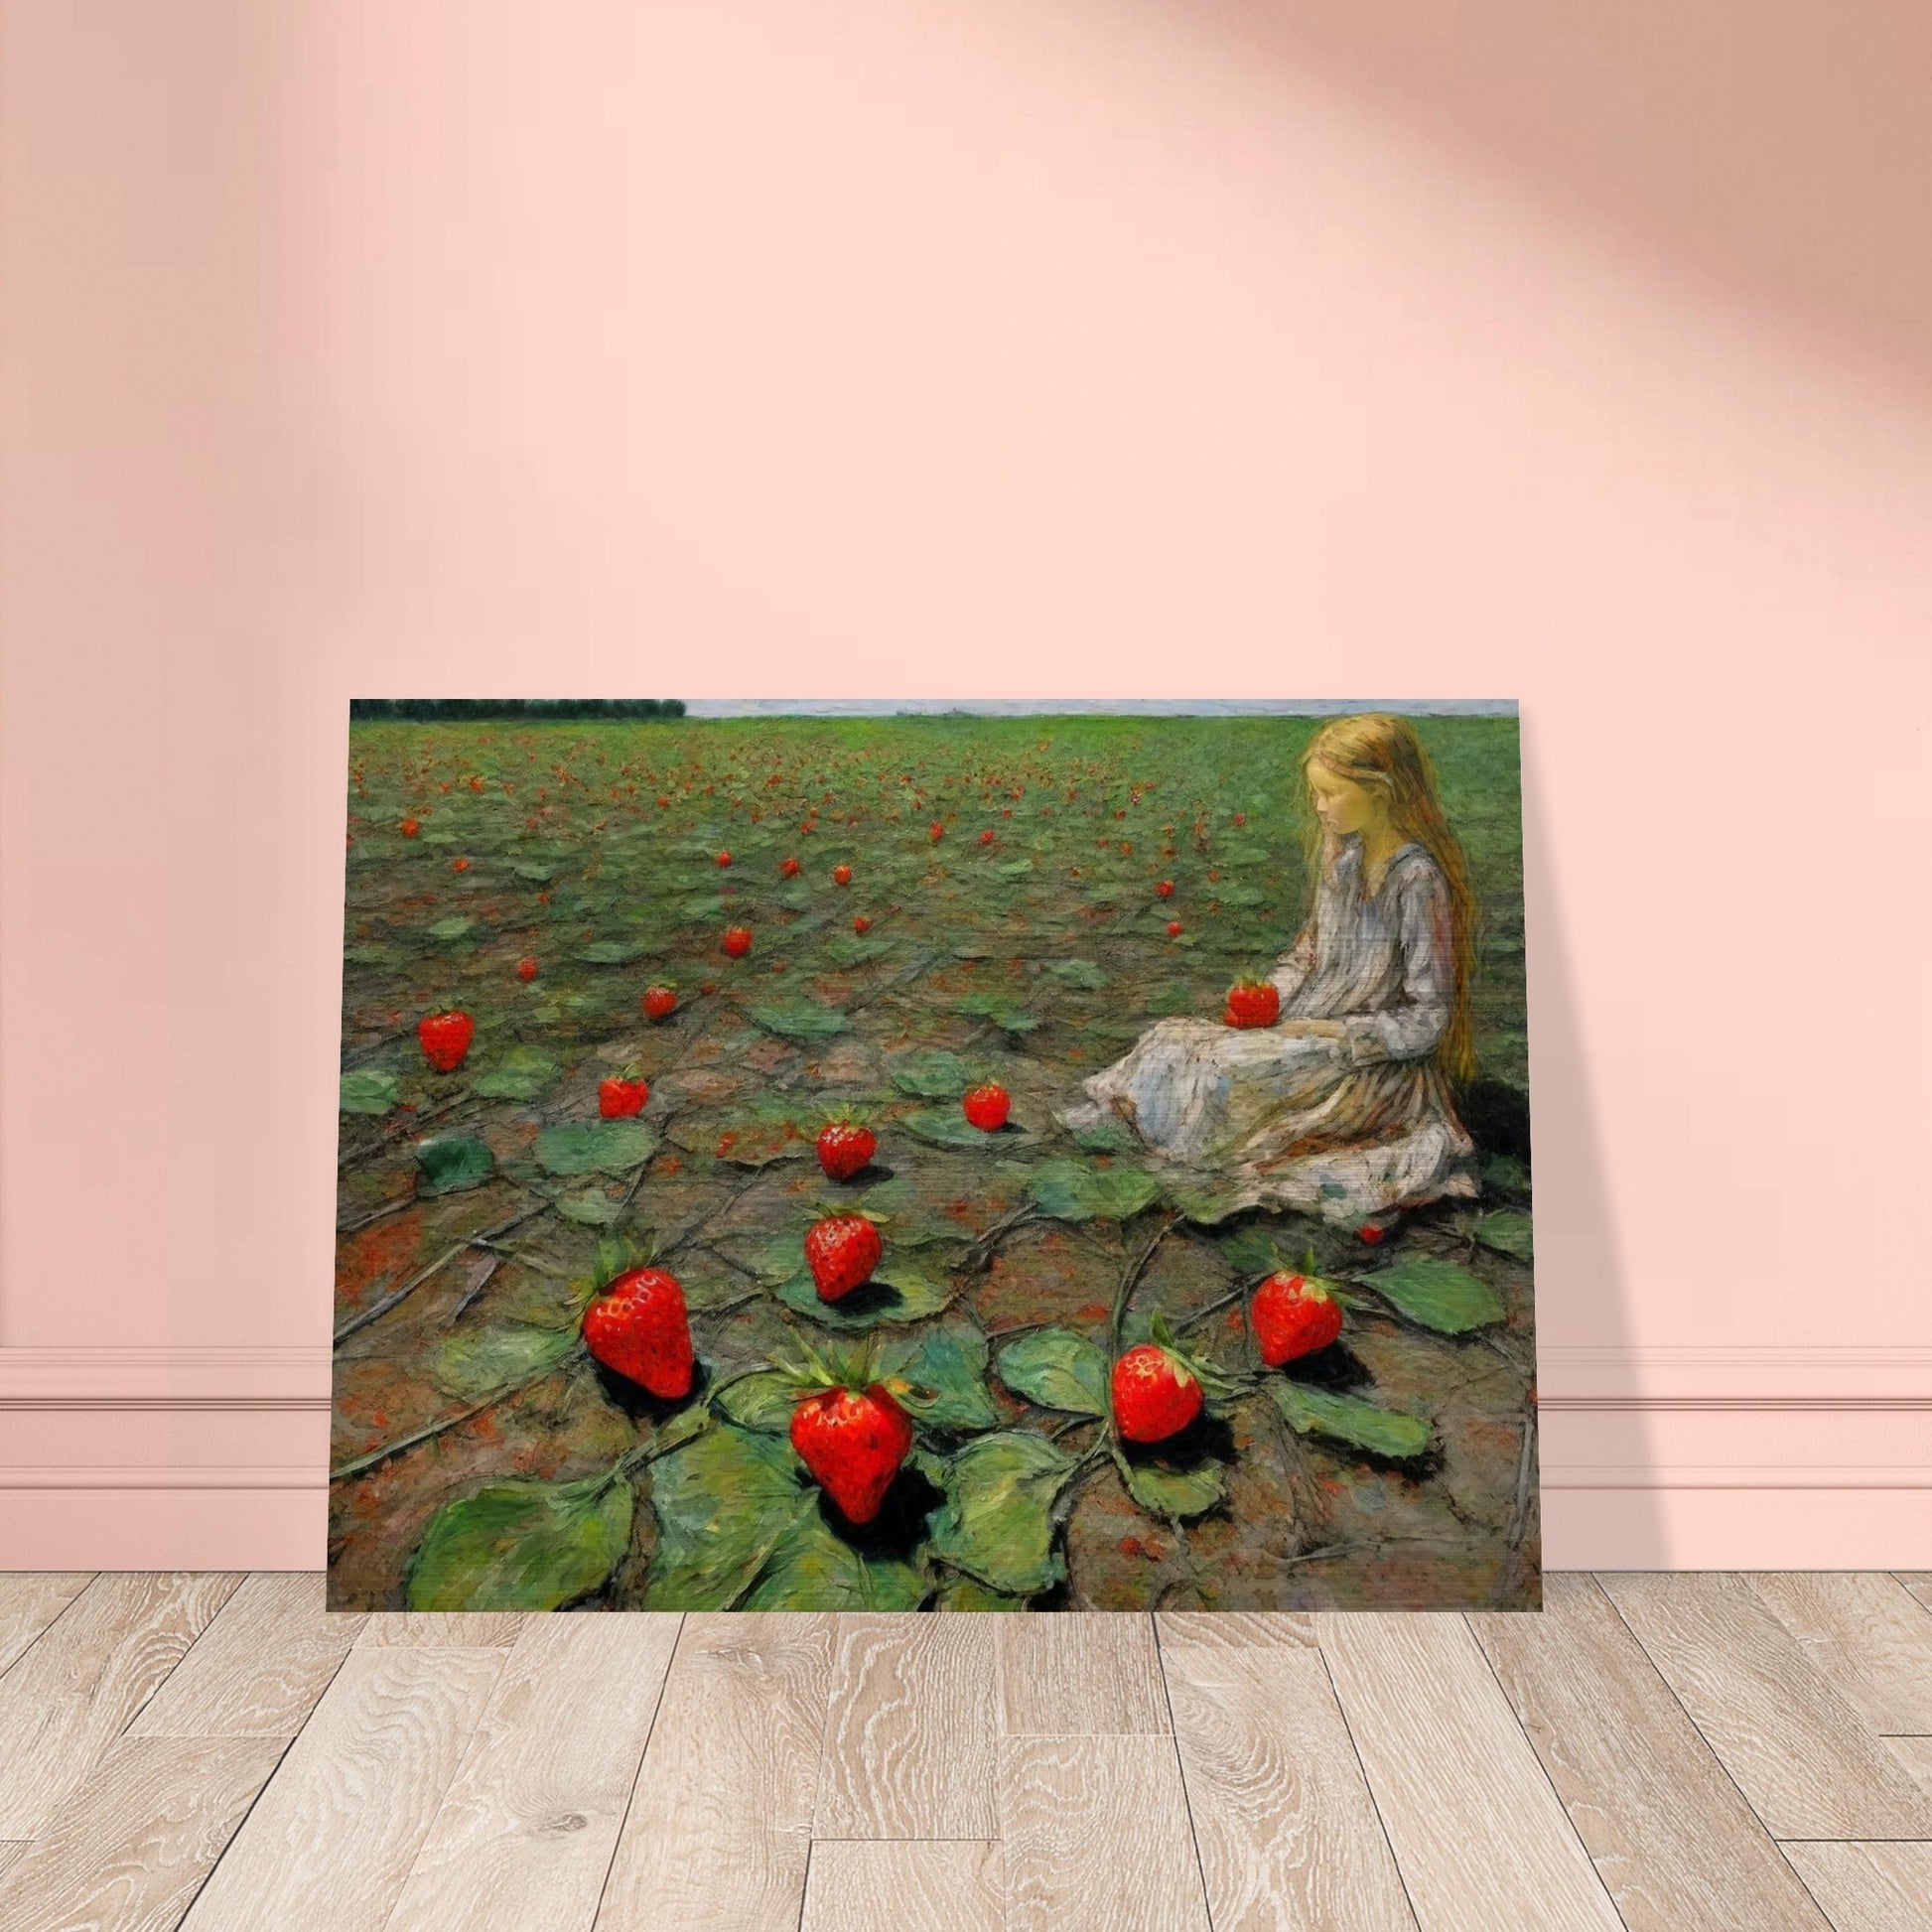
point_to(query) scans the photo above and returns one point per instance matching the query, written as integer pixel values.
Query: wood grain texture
(1794, 1747)
(30, 1603)
(720, 1824)
(74, 1692)
(441, 1629)
(1094, 1674)
(911, 1733)
(1236, 1630)
(524, 1835)
(1869, 1888)
(1915, 1753)
(1281, 1815)
(1917, 1583)
(1669, 1837)
(339, 1825)
(1865, 1635)
(1478, 1833)
(258, 1669)
(1096, 1836)
(935, 1887)
(131, 1847)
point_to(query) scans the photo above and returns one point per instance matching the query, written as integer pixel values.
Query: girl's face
(1342, 805)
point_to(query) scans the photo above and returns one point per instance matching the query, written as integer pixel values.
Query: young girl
(1342, 1106)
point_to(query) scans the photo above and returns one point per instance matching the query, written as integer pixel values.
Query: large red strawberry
(444, 1037)
(853, 1442)
(638, 1327)
(659, 1002)
(842, 1250)
(1253, 1003)
(843, 1148)
(737, 941)
(1155, 1395)
(618, 1098)
(1293, 1314)
(987, 1107)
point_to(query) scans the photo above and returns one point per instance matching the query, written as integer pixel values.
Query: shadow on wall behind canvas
(1040, 1157)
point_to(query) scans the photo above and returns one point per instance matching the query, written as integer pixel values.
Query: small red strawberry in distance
(410, 827)
(853, 1440)
(986, 837)
(445, 1038)
(841, 875)
(862, 924)
(723, 859)
(936, 831)
(841, 1250)
(1292, 1316)
(737, 941)
(1253, 1003)
(638, 1327)
(1155, 1396)
(845, 1148)
(1165, 889)
(621, 1096)
(659, 1002)
(459, 864)
(787, 868)
(526, 970)
(987, 1107)
(1174, 928)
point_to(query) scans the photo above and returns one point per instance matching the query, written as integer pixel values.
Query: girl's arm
(1411, 1029)
(1294, 965)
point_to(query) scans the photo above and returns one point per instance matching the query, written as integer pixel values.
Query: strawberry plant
(1013, 1363)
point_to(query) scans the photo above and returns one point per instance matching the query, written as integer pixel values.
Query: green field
(1396, 1468)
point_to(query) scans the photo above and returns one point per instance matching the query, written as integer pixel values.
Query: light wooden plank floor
(1652, 1752)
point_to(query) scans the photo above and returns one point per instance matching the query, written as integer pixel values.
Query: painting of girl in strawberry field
(1010, 1158)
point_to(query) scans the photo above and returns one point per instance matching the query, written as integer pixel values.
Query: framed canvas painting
(885, 1157)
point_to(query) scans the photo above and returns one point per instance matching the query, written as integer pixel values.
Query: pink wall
(1028, 348)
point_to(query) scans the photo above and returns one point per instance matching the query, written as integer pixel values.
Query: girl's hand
(1314, 1029)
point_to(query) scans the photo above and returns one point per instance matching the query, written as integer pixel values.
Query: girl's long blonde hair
(1380, 750)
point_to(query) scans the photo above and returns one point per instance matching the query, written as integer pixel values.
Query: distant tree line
(532, 709)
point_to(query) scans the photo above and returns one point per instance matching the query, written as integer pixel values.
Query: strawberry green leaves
(1057, 1369)
(1348, 1419)
(798, 1020)
(813, 1568)
(472, 1362)
(521, 1546)
(521, 1074)
(1166, 1487)
(943, 1373)
(903, 1288)
(1508, 1232)
(595, 1146)
(724, 1503)
(934, 1076)
(1071, 1191)
(611, 952)
(365, 1092)
(997, 1522)
(947, 1127)
(1437, 1294)
(451, 1163)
